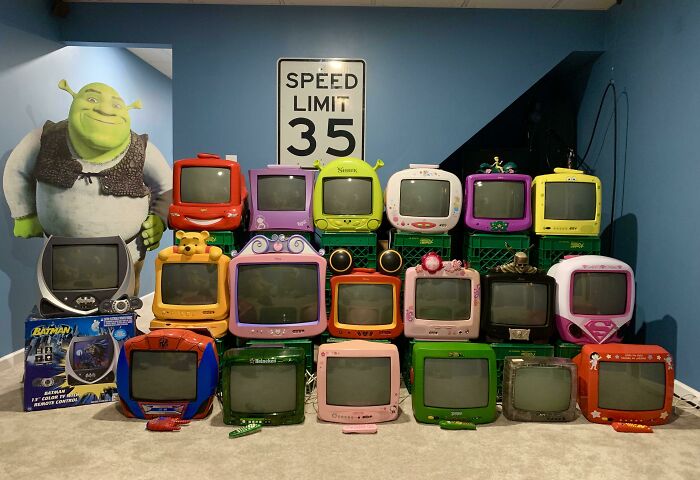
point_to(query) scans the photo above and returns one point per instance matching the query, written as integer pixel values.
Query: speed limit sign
(320, 110)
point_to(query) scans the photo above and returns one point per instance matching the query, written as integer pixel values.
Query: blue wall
(651, 53)
(32, 61)
(434, 77)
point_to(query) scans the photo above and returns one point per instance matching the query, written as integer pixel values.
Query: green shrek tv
(454, 381)
(263, 385)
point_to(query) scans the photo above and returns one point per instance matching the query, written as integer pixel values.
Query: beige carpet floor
(96, 442)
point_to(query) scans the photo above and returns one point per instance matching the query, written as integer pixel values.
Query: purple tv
(280, 199)
(498, 202)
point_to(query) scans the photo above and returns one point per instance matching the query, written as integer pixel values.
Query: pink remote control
(361, 428)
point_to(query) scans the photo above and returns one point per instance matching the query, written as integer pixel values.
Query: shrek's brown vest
(56, 166)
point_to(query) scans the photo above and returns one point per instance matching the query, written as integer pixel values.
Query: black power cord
(611, 85)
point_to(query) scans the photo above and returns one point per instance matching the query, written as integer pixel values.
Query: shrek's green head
(98, 121)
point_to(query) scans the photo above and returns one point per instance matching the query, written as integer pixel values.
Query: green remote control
(245, 430)
(456, 425)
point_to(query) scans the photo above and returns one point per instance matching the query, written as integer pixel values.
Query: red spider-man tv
(208, 194)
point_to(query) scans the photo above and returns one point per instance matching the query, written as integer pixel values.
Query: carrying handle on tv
(208, 155)
(423, 165)
(363, 270)
(566, 170)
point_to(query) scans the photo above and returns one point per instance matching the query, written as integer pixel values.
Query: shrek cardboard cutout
(90, 176)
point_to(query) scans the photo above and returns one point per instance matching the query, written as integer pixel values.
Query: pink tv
(280, 199)
(595, 297)
(441, 300)
(277, 289)
(358, 382)
(498, 202)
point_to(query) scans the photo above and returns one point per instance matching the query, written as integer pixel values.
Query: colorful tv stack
(497, 212)
(209, 193)
(423, 203)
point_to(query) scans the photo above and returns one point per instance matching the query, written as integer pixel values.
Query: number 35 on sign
(320, 110)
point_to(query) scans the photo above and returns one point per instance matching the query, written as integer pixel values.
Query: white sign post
(320, 110)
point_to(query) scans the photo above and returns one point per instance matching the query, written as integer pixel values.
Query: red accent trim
(169, 339)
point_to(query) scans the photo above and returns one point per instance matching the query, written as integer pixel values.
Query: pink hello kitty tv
(280, 199)
(595, 297)
(441, 300)
(358, 382)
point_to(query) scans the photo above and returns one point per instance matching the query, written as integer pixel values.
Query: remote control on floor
(456, 425)
(631, 427)
(245, 430)
(362, 428)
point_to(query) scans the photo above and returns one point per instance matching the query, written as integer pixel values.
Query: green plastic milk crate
(566, 350)
(226, 240)
(486, 251)
(551, 249)
(362, 246)
(224, 343)
(412, 246)
(504, 350)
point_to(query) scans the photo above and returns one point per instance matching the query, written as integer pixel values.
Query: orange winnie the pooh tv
(191, 286)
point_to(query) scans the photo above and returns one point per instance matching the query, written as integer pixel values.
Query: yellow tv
(348, 196)
(566, 202)
(192, 290)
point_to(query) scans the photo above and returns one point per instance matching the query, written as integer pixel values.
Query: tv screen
(96, 353)
(424, 198)
(599, 293)
(263, 388)
(84, 267)
(205, 185)
(347, 196)
(163, 376)
(443, 298)
(631, 386)
(542, 389)
(189, 283)
(365, 304)
(518, 303)
(278, 193)
(499, 199)
(569, 201)
(358, 381)
(456, 382)
(277, 293)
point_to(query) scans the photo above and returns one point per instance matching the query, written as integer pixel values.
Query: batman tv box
(72, 361)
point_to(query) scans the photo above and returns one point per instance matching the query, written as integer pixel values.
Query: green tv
(454, 381)
(263, 385)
